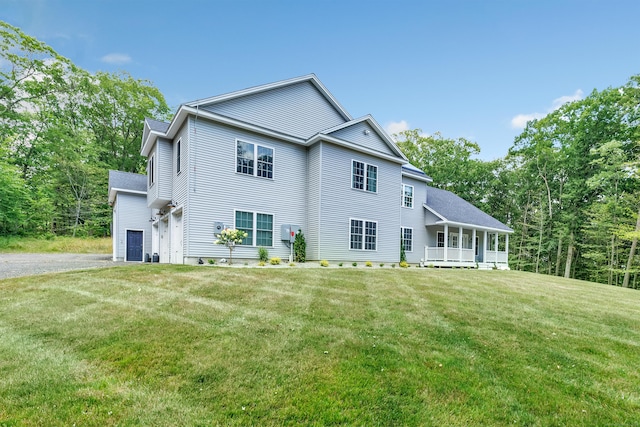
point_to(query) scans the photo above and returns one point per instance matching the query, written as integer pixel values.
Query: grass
(76, 245)
(179, 345)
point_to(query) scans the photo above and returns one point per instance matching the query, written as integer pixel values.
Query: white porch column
(446, 241)
(460, 244)
(473, 243)
(484, 247)
(506, 247)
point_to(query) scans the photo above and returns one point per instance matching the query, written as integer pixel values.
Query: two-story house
(287, 155)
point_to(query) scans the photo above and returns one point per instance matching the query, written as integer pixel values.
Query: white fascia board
(322, 137)
(113, 192)
(424, 178)
(376, 127)
(262, 88)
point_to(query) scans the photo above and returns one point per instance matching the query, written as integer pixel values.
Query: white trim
(152, 174)
(254, 226)
(412, 237)
(113, 192)
(412, 196)
(364, 234)
(126, 242)
(255, 159)
(342, 143)
(366, 176)
(178, 163)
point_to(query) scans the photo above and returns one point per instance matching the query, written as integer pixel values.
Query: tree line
(569, 186)
(61, 130)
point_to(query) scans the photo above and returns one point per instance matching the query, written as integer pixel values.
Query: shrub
(212, 261)
(381, 264)
(291, 264)
(262, 263)
(393, 266)
(404, 264)
(299, 248)
(355, 264)
(324, 263)
(339, 264)
(263, 254)
(368, 264)
(275, 260)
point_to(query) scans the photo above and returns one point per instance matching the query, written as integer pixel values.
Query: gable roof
(126, 182)
(311, 78)
(452, 209)
(203, 108)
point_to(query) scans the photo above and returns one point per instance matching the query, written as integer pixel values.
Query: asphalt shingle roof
(455, 209)
(157, 126)
(127, 181)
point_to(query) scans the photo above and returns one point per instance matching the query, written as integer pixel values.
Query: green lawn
(178, 345)
(76, 245)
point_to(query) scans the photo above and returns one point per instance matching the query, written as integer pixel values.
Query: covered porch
(466, 246)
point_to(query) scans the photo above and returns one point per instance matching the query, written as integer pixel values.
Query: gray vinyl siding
(414, 218)
(160, 192)
(299, 110)
(314, 180)
(340, 203)
(356, 134)
(130, 212)
(216, 190)
(180, 188)
(430, 217)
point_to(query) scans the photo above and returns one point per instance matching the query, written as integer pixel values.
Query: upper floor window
(254, 159)
(178, 155)
(363, 234)
(407, 196)
(151, 170)
(364, 176)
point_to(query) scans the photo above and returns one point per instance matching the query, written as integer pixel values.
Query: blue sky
(473, 69)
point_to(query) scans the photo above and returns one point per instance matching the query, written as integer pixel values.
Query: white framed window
(178, 155)
(258, 226)
(254, 159)
(407, 196)
(453, 240)
(363, 234)
(406, 236)
(364, 176)
(151, 169)
(440, 240)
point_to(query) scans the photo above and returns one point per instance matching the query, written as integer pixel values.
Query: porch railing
(468, 255)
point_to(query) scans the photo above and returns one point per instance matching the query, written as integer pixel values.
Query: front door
(134, 245)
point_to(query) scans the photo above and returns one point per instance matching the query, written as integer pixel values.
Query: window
(407, 196)
(440, 239)
(363, 234)
(258, 226)
(364, 176)
(453, 240)
(178, 153)
(254, 159)
(151, 170)
(406, 235)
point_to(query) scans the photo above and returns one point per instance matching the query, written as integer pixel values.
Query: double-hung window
(253, 159)
(407, 196)
(406, 235)
(258, 226)
(363, 235)
(364, 176)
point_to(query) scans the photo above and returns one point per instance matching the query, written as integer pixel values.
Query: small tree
(403, 256)
(230, 238)
(299, 248)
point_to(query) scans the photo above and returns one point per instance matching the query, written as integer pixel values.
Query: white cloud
(396, 127)
(116, 58)
(520, 121)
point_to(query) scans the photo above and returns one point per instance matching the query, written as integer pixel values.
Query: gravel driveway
(16, 265)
